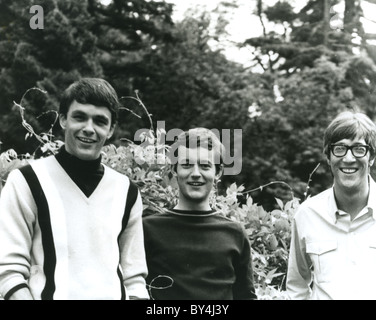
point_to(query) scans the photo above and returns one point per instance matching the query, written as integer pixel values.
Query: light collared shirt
(332, 256)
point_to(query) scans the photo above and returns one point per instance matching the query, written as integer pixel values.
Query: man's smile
(348, 170)
(86, 140)
(196, 184)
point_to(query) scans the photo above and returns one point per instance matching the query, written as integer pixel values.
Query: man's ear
(112, 129)
(173, 169)
(328, 159)
(62, 120)
(219, 174)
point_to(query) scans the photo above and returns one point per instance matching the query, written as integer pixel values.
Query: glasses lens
(359, 151)
(339, 151)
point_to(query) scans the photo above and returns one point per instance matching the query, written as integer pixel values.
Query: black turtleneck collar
(85, 173)
(70, 161)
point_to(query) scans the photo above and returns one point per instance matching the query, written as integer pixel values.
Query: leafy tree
(190, 84)
(79, 39)
(316, 78)
(128, 33)
(49, 59)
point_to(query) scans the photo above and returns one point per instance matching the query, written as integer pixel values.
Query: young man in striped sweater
(70, 227)
(193, 252)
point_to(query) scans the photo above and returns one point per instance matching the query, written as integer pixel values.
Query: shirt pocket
(324, 257)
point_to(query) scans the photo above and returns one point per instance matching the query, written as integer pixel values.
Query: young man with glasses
(333, 245)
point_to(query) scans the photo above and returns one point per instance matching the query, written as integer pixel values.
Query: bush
(269, 232)
(148, 166)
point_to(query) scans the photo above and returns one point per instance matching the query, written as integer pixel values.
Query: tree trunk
(350, 13)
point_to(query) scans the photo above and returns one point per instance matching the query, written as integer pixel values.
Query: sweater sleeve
(17, 220)
(244, 284)
(132, 251)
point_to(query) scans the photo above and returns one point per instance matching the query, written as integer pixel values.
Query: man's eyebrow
(184, 160)
(78, 112)
(206, 162)
(102, 117)
(190, 161)
(96, 117)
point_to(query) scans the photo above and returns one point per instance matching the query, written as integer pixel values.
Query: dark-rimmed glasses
(358, 151)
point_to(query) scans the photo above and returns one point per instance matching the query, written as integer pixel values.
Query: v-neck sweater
(85, 173)
(62, 244)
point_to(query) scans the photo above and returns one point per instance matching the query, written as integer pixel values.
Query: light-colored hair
(350, 125)
(200, 137)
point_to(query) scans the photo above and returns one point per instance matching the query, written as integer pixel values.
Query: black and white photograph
(187, 153)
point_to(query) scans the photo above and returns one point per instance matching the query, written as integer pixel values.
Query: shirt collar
(371, 204)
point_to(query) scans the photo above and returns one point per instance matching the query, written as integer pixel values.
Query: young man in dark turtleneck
(193, 252)
(70, 227)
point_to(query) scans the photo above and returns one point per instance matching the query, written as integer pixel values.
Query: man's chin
(197, 199)
(349, 185)
(87, 156)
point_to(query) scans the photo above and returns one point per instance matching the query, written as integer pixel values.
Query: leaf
(282, 225)
(272, 242)
(231, 189)
(240, 189)
(280, 203)
(288, 205)
(277, 213)
(261, 212)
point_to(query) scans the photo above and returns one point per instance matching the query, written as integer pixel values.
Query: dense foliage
(149, 167)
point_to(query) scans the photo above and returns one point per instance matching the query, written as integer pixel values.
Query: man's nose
(349, 157)
(89, 128)
(196, 171)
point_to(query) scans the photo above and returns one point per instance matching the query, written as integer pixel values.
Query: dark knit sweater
(204, 255)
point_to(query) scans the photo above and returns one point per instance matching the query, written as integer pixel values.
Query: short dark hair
(350, 125)
(200, 137)
(95, 91)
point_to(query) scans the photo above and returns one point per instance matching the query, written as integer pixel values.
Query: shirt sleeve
(243, 288)
(299, 274)
(17, 220)
(133, 260)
